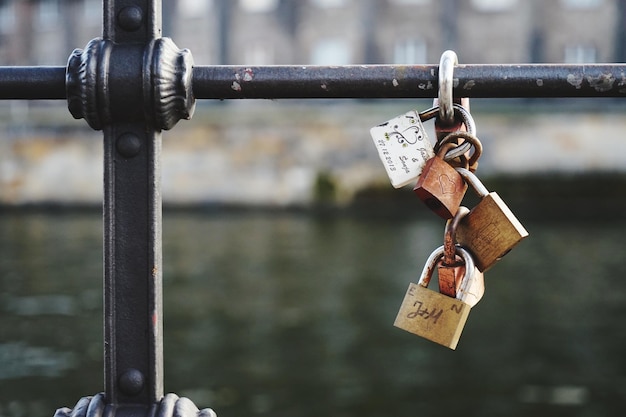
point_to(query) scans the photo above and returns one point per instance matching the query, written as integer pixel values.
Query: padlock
(490, 230)
(439, 186)
(403, 146)
(451, 267)
(433, 315)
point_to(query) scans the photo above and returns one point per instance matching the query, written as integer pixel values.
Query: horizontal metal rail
(388, 81)
(358, 81)
(32, 83)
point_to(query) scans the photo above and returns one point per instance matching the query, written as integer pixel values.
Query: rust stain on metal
(248, 75)
(622, 83)
(576, 80)
(468, 85)
(427, 86)
(601, 83)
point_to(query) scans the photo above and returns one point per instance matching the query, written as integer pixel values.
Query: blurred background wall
(260, 152)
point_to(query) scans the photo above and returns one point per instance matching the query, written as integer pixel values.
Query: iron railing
(357, 81)
(131, 83)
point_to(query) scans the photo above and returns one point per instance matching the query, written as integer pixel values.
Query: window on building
(194, 8)
(258, 6)
(92, 10)
(581, 4)
(48, 14)
(329, 3)
(411, 2)
(580, 54)
(331, 52)
(493, 5)
(259, 53)
(409, 51)
(7, 17)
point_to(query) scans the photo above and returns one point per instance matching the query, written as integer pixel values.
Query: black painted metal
(30, 83)
(387, 81)
(357, 81)
(132, 212)
(131, 83)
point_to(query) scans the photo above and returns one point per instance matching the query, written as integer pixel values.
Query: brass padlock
(440, 186)
(490, 230)
(433, 315)
(451, 268)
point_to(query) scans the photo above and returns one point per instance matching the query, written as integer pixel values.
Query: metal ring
(446, 73)
(468, 121)
(468, 138)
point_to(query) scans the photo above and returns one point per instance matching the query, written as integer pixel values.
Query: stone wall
(288, 152)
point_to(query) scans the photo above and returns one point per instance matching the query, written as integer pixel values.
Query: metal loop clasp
(431, 264)
(449, 236)
(446, 83)
(468, 121)
(469, 141)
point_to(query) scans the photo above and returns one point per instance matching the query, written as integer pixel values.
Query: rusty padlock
(490, 230)
(440, 186)
(451, 267)
(433, 315)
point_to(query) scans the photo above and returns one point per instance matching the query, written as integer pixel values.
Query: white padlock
(403, 147)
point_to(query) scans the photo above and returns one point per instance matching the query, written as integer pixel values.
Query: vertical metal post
(132, 270)
(132, 218)
(131, 83)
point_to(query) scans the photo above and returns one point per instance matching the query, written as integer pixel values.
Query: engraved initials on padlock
(490, 230)
(430, 314)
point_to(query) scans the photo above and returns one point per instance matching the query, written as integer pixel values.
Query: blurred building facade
(337, 32)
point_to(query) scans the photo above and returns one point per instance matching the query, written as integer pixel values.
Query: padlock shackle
(459, 110)
(431, 264)
(471, 179)
(449, 236)
(445, 148)
(445, 76)
(468, 138)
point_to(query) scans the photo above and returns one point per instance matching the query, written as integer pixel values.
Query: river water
(291, 314)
